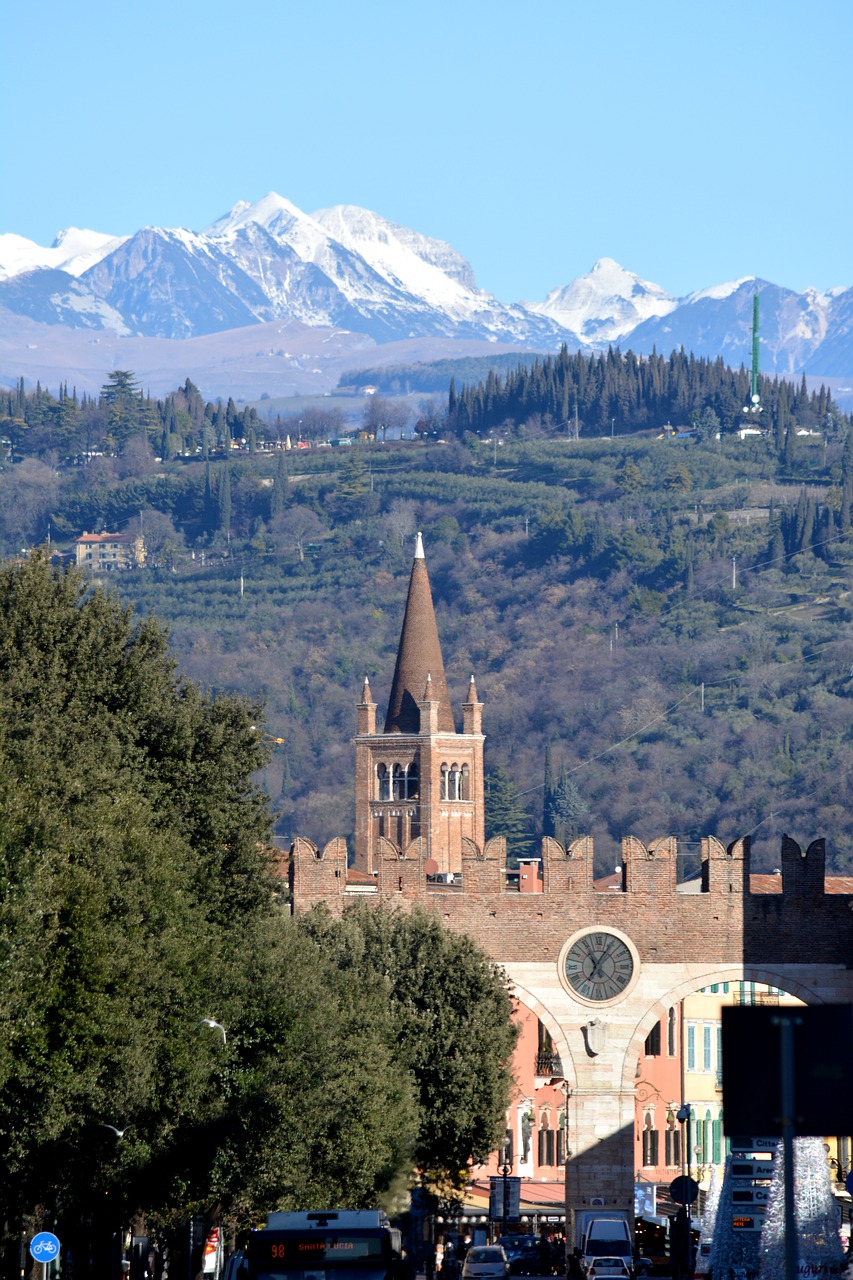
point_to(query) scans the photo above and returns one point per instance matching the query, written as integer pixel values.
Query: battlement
(645, 869)
(723, 909)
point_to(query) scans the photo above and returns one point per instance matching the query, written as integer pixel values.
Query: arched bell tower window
(412, 781)
(383, 782)
(455, 782)
(399, 783)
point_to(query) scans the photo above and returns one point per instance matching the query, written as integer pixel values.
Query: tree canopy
(451, 1009)
(137, 900)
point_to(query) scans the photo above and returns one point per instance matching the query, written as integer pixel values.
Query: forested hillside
(659, 628)
(614, 393)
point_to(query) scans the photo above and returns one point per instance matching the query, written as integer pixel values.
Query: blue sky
(693, 142)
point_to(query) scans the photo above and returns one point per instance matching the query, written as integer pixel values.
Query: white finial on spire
(419, 546)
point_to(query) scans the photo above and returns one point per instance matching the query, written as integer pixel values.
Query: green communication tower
(755, 352)
(753, 409)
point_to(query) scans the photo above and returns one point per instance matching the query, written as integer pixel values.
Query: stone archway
(603, 1046)
(661, 943)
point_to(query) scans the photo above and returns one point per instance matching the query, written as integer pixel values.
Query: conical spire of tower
(418, 659)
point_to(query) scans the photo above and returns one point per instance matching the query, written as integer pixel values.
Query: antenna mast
(755, 351)
(753, 409)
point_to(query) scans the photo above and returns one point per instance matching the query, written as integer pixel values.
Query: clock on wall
(598, 965)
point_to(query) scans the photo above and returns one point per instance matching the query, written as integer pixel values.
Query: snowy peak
(605, 304)
(354, 270)
(273, 212)
(718, 292)
(73, 251)
(391, 248)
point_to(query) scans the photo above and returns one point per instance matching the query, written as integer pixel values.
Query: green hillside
(658, 625)
(666, 619)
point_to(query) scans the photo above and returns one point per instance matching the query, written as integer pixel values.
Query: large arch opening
(676, 1060)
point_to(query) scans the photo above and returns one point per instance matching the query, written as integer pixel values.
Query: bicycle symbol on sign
(44, 1247)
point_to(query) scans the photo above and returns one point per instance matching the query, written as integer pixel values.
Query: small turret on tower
(366, 710)
(472, 711)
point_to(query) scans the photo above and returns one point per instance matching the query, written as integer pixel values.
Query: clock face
(599, 966)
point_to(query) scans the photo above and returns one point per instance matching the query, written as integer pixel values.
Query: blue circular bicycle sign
(44, 1247)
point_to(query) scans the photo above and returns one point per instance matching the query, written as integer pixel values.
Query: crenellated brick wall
(723, 921)
(682, 938)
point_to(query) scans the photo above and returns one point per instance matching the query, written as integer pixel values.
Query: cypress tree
(223, 494)
(278, 493)
(547, 820)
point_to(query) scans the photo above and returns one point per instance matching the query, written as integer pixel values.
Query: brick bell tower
(419, 780)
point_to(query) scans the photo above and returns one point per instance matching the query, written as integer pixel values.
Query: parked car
(485, 1262)
(643, 1268)
(528, 1260)
(609, 1268)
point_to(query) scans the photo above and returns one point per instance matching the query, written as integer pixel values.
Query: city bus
(351, 1244)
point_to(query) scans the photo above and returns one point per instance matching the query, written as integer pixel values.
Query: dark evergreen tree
(223, 502)
(505, 814)
(547, 815)
(278, 492)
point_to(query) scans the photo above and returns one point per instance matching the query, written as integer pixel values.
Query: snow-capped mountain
(73, 251)
(345, 267)
(351, 271)
(606, 304)
(718, 322)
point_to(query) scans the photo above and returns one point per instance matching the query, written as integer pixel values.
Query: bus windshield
(324, 1250)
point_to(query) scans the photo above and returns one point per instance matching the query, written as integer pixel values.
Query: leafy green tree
(678, 479)
(135, 901)
(317, 1109)
(451, 1008)
(129, 853)
(628, 477)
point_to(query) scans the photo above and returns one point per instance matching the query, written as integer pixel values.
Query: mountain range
(344, 279)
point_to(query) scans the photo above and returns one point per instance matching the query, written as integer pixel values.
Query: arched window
(383, 782)
(453, 783)
(412, 781)
(444, 782)
(465, 784)
(399, 783)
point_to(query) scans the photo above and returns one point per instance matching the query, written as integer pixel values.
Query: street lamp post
(683, 1259)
